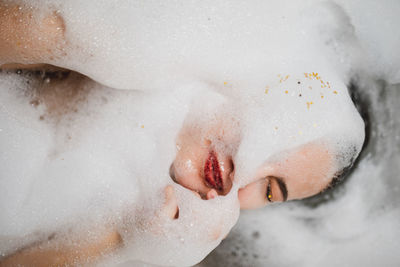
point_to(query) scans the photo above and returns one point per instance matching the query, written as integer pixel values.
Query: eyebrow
(282, 187)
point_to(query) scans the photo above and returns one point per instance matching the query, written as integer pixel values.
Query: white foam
(193, 62)
(200, 228)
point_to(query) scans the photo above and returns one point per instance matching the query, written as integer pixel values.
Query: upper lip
(212, 172)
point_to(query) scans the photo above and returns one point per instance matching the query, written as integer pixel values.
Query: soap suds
(265, 68)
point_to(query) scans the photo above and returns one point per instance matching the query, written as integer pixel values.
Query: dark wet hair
(340, 175)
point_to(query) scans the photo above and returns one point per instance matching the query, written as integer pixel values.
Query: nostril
(170, 207)
(176, 213)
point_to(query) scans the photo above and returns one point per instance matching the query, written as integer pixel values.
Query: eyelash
(269, 193)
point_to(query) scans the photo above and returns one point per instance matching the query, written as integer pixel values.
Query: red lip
(212, 171)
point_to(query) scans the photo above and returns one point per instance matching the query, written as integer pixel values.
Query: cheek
(307, 171)
(253, 195)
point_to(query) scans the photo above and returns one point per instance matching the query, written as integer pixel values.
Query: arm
(78, 253)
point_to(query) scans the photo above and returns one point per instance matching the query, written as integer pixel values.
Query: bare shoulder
(29, 35)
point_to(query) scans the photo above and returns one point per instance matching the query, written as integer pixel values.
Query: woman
(264, 138)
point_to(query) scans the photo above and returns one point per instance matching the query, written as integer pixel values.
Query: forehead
(294, 109)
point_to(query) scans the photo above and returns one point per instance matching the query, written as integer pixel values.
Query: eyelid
(282, 187)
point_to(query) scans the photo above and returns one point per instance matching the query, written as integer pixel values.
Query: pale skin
(28, 41)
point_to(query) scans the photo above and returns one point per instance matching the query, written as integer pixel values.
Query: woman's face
(204, 165)
(295, 152)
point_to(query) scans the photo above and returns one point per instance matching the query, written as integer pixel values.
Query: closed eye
(281, 185)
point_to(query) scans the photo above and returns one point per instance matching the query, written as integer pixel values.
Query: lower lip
(212, 172)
